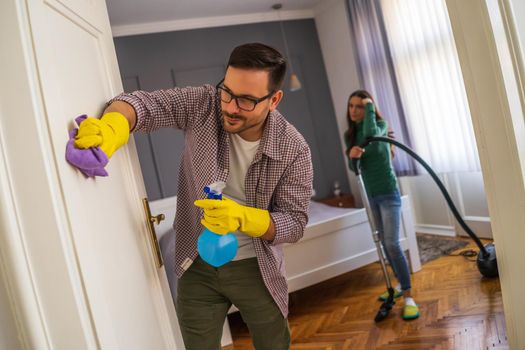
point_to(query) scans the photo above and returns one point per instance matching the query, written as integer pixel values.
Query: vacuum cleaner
(486, 259)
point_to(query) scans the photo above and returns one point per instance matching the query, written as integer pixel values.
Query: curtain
(430, 83)
(377, 74)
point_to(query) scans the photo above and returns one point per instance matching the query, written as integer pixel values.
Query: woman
(382, 188)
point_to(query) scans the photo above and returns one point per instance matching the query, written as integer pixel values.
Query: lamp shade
(295, 84)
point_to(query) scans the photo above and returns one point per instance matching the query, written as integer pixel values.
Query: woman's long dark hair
(350, 133)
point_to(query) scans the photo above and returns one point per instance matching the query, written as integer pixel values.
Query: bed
(336, 240)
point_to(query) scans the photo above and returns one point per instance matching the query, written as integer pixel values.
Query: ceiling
(130, 17)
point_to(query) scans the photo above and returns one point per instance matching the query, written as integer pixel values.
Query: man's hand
(109, 133)
(226, 215)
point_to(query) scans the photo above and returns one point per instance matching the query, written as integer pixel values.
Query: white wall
(337, 46)
(431, 213)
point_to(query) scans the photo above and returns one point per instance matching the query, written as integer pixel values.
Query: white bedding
(320, 212)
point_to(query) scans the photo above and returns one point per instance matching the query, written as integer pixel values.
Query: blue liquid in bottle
(214, 248)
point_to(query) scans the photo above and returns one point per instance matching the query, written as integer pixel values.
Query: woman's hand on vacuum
(356, 152)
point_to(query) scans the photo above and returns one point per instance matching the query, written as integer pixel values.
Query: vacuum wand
(387, 305)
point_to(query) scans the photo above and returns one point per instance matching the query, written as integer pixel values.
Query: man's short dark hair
(261, 57)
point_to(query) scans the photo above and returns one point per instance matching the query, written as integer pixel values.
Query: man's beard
(232, 116)
(242, 124)
(233, 128)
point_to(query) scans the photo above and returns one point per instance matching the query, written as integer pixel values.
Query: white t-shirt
(242, 153)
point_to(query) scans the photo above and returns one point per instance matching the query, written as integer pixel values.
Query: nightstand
(342, 201)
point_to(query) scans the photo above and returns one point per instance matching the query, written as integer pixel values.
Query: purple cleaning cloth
(90, 161)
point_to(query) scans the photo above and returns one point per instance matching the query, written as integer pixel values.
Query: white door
(86, 243)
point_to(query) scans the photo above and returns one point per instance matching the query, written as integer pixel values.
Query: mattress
(320, 212)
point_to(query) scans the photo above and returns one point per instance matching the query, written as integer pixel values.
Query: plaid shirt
(279, 178)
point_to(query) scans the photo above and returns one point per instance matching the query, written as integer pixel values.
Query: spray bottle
(214, 248)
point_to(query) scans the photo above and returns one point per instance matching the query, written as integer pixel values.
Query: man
(233, 133)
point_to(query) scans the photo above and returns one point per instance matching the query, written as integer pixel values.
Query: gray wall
(194, 57)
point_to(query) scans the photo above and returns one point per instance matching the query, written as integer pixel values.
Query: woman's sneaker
(397, 294)
(410, 312)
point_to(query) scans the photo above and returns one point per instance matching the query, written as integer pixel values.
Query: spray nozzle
(214, 191)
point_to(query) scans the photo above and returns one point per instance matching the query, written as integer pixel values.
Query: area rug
(432, 247)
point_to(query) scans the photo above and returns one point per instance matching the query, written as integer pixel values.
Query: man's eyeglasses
(243, 102)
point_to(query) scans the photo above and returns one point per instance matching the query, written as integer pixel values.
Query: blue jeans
(387, 214)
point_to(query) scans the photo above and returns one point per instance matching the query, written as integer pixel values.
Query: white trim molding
(440, 230)
(479, 224)
(208, 22)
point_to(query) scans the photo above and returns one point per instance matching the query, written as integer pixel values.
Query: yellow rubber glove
(226, 215)
(109, 133)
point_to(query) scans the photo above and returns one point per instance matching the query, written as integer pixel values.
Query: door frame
(492, 65)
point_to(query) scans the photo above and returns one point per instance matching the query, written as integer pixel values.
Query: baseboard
(439, 230)
(479, 224)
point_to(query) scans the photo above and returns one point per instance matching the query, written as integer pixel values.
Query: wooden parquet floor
(459, 309)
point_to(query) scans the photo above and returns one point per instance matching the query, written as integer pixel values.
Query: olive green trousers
(205, 294)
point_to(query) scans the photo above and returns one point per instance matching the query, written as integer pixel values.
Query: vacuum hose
(486, 261)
